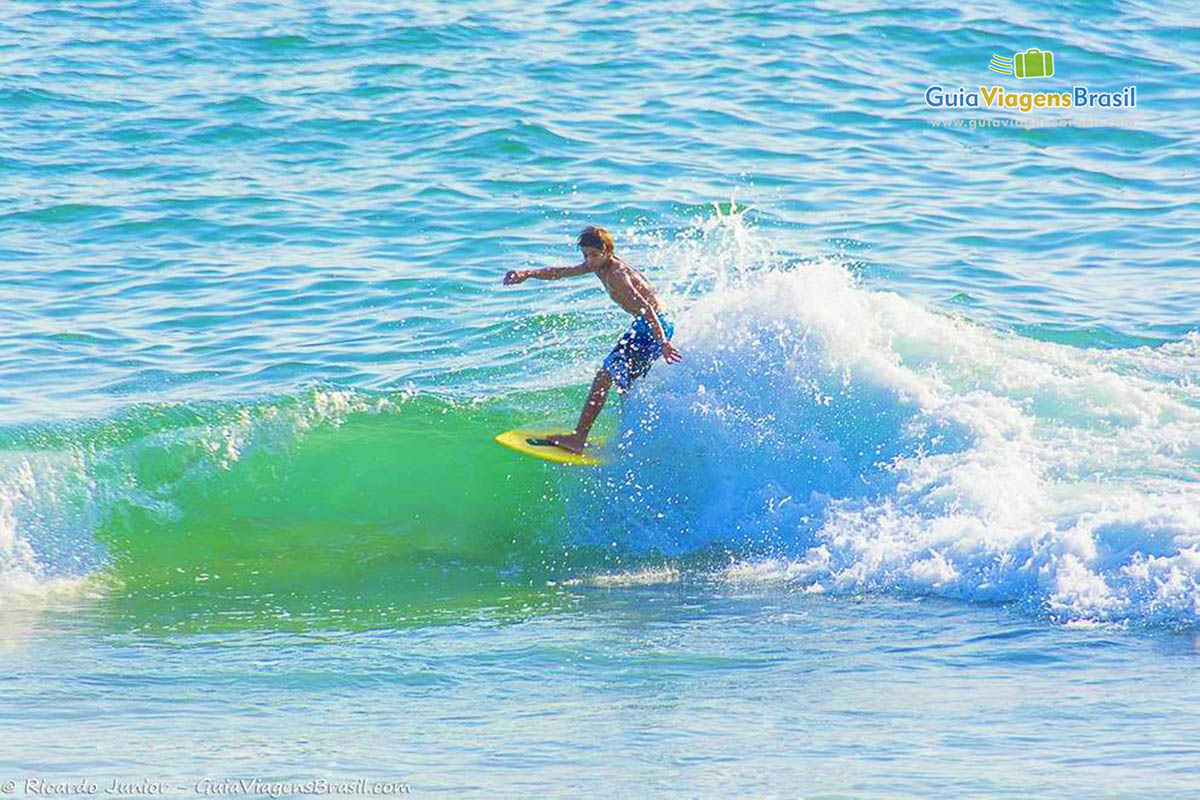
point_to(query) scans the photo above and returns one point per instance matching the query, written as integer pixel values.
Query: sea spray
(819, 432)
(851, 440)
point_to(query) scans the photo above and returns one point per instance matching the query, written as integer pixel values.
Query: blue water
(919, 514)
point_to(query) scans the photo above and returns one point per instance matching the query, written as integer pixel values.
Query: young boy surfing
(637, 349)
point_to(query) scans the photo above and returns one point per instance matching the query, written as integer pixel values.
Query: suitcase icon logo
(1033, 63)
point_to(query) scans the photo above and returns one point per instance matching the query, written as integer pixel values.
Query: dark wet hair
(597, 238)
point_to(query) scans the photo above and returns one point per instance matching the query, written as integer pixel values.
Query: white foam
(853, 440)
(640, 577)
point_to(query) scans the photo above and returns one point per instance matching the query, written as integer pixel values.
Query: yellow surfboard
(532, 442)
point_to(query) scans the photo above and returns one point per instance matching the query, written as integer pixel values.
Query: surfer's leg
(591, 409)
(615, 370)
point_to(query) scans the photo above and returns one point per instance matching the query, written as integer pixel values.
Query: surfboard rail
(522, 440)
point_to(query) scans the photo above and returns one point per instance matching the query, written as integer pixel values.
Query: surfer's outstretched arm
(545, 274)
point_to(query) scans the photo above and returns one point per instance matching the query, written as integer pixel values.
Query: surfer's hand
(515, 276)
(671, 355)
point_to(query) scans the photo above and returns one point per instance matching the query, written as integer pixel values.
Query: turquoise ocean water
(919, 514)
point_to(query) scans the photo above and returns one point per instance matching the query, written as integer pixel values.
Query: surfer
(647, 339)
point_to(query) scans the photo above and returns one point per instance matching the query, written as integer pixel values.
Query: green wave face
(293, 516)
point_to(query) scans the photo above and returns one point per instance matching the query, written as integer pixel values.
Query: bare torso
(627, 287)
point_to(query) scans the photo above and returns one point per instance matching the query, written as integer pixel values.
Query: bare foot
(571, 442)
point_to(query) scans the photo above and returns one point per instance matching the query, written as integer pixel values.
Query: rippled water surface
(917, 516)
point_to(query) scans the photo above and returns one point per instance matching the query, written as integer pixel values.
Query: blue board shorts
(636, 350)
